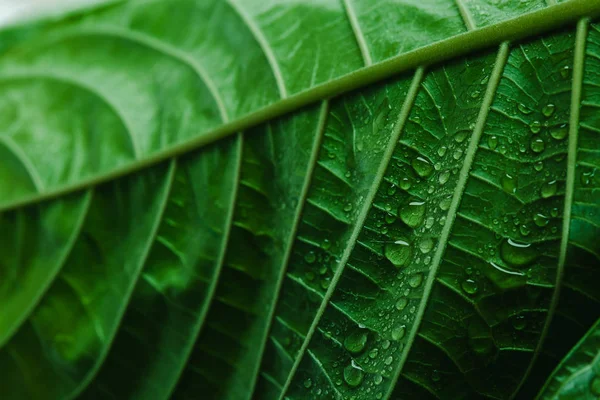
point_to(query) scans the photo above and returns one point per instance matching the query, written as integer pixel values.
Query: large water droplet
(415, 280)
(509, 183)
(425, 245)
(413, 213)
(353, 374)
(523, 108)
(537, 145)
(401, 303)
(549, 189)
(540, 220)
(469, 286)
(398, 332)
(405, 184)
(355, 342)
(535, 127)
(493, 142)
(398, 253)
(548, 110)
(559, 132)
(517, 254)
(422, 167)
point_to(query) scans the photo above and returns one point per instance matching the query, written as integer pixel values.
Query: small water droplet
(429, 222)
(378, 379)
(425, 245)
(442, 151)
(457, 154)
(353, 374)
(559, 132)
(355, 342)
(565, 71)
(445, 203)
(398, 253)
(549, 189)
(310, 257)
(308, 383)
(548, 110)
(389, 360)
(392, 190)
(469, 286)
(517, 254)
(413, 213)
(509, 183)
(415, 280)
(326, 245)
(374, 353)
(519, 322)
(538, 166)
(535, 127)
(405, 184)
(524, 230)
(401, 303)
(348, 207)
(435, 375)
(554, 212)
(587, 177)
(523, 109)
(461, 136)
(493, 142)
(537, 145)
(475, 94)
(422, 167)
(540, 220)
(385, 344)
(398, 332)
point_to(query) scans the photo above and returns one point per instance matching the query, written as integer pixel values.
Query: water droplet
(325, 283)
(380, 118)
(559, 132)
(509, 183)
(348, 207)
(538, 166)
(523, 108)
(565, 71)
(401, 303)
(405, 184)
(519, 322)
(475, 94)
(587, 177)
(540, 220)
(535, 127)
(398, 332)
(469, 286)
(480, 338)
(548, 110)
(385, 345)
(444, 176)
(461, 136)
(308, 383)
(435, 375)
(493, 142)
(524, 230)
(517, 254)
(429, 222)
(310, 257)
(326, 244)
(445, 203)
(442, 151)
(537, 145)
(425, 245)
(374, 353)
(378, 379)
(398, 253)
(415, 280)
(422, 167)
(310, 276)
(554, 212)
(356, 341)
(390, 218)
(389, 360)
(392, 190)
(549, 189)
(413, 213)
(353, 374)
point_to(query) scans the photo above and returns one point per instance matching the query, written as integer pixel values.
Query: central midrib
(518, 28)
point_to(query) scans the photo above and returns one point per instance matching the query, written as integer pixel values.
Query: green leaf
(302, 199)
(578, 375)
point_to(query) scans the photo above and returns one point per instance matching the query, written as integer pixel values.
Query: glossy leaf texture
(578, 375)
(431, 235)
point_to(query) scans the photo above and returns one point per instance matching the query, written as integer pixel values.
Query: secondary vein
(358, 34)
(577, 83)
(398, 128)
(493, 83)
